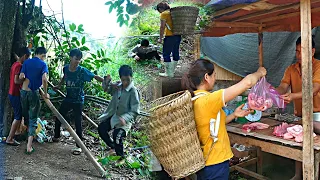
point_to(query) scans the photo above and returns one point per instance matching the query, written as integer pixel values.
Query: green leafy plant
(124, 10)
(205, 17)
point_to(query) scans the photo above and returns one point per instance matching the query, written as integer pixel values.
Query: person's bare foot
(296, 177)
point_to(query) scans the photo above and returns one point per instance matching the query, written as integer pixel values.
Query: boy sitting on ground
(145, 51)
(122, 111)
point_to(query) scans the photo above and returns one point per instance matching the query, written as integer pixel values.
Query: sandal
(29, 153)
(14, 143)
(76, 151)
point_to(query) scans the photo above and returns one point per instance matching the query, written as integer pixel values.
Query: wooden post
(197, 50)
(83, 114)
(307, 98)
(74, 135)
(259, 162)
(260, 36)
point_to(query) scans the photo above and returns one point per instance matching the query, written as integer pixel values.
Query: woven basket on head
(184, 19)
(173, 135)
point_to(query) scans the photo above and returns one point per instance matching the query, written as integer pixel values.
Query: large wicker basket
(173, 135)
(184, 19)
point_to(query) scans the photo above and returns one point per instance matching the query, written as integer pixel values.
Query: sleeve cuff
(223, 101)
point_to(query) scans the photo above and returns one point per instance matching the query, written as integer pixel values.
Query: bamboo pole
(83, 114)
(197, 50)
(307, 98)
(74, 135)
(260, 37)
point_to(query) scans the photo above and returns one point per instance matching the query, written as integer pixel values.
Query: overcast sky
(93, 14)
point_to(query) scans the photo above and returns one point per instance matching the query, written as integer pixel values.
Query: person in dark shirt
(34, 73)
(75, 77)
(145, 51)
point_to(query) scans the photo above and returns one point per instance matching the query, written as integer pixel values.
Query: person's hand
(239, 112)
(137, 58)
(116, 85)
(47, 96)
(287, 97)
(160, 40)
(122, 121)
(262, 71)
(107, 78)
(56, 88)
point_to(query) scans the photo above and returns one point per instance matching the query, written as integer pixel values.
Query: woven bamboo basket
(184, 19)
(173, 135)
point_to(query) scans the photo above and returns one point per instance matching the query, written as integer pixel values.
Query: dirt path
(49, 161)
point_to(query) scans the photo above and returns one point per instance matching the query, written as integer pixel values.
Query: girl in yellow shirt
(200, 81)
(171, 42)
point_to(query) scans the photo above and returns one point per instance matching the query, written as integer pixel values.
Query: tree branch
(64, 25)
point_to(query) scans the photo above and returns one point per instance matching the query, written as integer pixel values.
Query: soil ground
(49, 161)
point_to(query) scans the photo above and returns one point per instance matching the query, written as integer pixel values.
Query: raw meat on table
(281, 130)
(253, 126)
(289, 132)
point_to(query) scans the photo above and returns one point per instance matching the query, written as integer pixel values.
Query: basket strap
(198, 95)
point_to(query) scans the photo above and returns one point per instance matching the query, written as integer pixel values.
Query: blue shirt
(75, 83)
(34, 69)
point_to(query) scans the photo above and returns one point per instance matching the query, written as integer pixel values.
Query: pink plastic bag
(263, 96)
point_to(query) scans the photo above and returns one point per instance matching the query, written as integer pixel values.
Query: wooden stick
(260, 36)
(83, 114)
(250, 173)
(74, 135)
(307, 98)
(235, 24)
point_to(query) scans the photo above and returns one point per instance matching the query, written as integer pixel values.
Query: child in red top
(14, 93)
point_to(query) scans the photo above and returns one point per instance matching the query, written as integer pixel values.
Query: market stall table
(265, 141)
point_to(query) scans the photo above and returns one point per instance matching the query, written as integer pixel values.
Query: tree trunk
(7, 21)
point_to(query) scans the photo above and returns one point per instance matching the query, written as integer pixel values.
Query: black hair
(75, 52)
(196, 73)
(163, 5)
(40, 50)
(144, 42)
(23, 51)
(298, 42)
(125, 70)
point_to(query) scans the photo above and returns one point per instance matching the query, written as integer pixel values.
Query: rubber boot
(175, 63)
(168, 66)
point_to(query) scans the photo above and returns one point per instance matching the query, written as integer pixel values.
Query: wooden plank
(266, 12)
(223, 74)
(235, 24)
(307, 98)
(273, 148)
(233, 8)
(275, 18)
(270, 122)
(271, 11)
(244, 164)
(250, 173)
